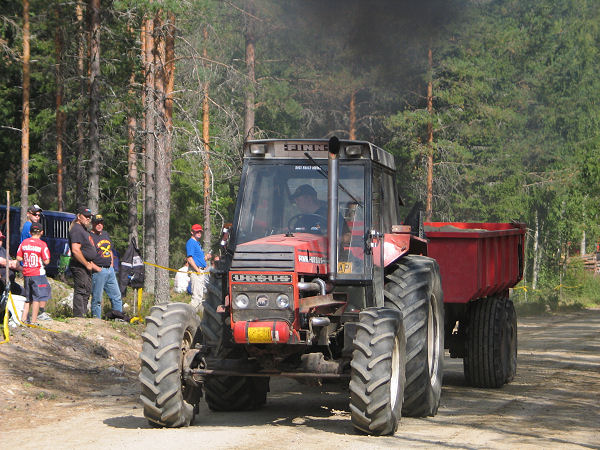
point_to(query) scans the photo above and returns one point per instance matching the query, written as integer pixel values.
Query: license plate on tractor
(260, 335)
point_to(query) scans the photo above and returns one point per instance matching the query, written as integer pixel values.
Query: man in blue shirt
(34, 214)
(197, 266)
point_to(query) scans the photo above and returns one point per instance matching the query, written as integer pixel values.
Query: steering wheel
(308, 218)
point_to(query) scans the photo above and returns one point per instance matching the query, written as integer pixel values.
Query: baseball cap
(304, 189)
(197, 227)
(34, 209)
(2, 235)
(97, 218)
(87, 212)
(36, 228)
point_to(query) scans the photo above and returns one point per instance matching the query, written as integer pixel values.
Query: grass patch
(579, 289)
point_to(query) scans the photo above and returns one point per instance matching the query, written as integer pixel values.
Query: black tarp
(131, 269)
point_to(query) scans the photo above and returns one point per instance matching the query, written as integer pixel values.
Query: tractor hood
(300, 252)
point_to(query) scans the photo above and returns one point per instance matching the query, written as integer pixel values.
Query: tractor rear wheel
(414, 287)
(233, 393)
(377, 371)
(171, 330)
(491, 348)
(227, 393)
(215, 326)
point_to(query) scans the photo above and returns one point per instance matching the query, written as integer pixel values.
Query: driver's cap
(304, 189)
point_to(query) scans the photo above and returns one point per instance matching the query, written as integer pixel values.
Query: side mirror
(225, 236)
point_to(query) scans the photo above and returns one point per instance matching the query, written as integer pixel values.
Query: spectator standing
(182, 279)
(83, 252)
(105, 280)
(34, 214)
(197, 263)
(34, 254)
(13, 267)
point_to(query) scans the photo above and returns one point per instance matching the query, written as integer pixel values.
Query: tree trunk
(132, 172)
(249, 36)
(60, 116)
(80, 177)
(536, 261)
(25, 119)
(206, 141)
(583, 244)
(429, 208)
(149, 201)
(163, 165)
(352, 128)
(94, 135)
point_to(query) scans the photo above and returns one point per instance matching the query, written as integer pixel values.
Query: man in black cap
(313, 213)
(34, 214)
(83, 252)
(105, 280)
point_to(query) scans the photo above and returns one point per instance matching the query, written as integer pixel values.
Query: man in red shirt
(34, 254)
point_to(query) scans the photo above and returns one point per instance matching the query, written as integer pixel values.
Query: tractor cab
(284, 200)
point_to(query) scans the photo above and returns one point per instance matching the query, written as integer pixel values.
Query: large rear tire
(232, 393)
(377, 371)
(214, 325)
(171, 330)
(491, 349)
(227, 393)
(414, 287)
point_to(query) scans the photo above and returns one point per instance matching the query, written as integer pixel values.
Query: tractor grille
(261, 257)
(268, 310)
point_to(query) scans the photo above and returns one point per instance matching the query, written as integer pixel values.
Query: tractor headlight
(242, 301)
(283, 301)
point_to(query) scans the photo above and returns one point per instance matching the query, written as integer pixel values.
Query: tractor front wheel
(171, 330)
(377, 371)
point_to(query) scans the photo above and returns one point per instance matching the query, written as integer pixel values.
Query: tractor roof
(317, 149)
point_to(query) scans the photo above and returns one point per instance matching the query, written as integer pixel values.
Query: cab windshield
(292, 197)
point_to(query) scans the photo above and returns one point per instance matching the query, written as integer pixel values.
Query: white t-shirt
(182, 279)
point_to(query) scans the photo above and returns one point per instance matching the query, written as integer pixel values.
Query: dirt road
(553, 402)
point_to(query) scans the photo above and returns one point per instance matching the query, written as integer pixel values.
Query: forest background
(138, 109)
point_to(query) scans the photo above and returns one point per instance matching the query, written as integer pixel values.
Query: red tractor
(321, 280)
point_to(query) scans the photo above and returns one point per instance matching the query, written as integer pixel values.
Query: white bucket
(19, 302)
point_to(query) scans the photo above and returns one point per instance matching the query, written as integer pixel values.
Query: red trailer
(479, 262)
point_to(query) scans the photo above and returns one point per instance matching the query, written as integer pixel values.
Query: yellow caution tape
(520, 287)
(5, 324)
(176, 270)
(566, 287)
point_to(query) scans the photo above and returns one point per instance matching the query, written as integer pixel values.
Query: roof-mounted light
(354, 150)
(258, 149)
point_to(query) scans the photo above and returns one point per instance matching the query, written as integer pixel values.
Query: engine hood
(301, 252)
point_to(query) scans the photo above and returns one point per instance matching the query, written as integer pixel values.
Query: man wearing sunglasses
(34, 214)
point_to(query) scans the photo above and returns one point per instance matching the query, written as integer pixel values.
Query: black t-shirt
(103, 248)
(80, 235)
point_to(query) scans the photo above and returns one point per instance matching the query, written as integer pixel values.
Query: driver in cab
(312, 217)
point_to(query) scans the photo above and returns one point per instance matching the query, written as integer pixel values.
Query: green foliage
(515, 84)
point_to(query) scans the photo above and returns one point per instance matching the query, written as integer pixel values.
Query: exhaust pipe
(332, 205)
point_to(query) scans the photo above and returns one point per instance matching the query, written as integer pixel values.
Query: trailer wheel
(236, 393)
(491, 349)
(415, 288)
(377, 371)
(510, 342)
(171, 330)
